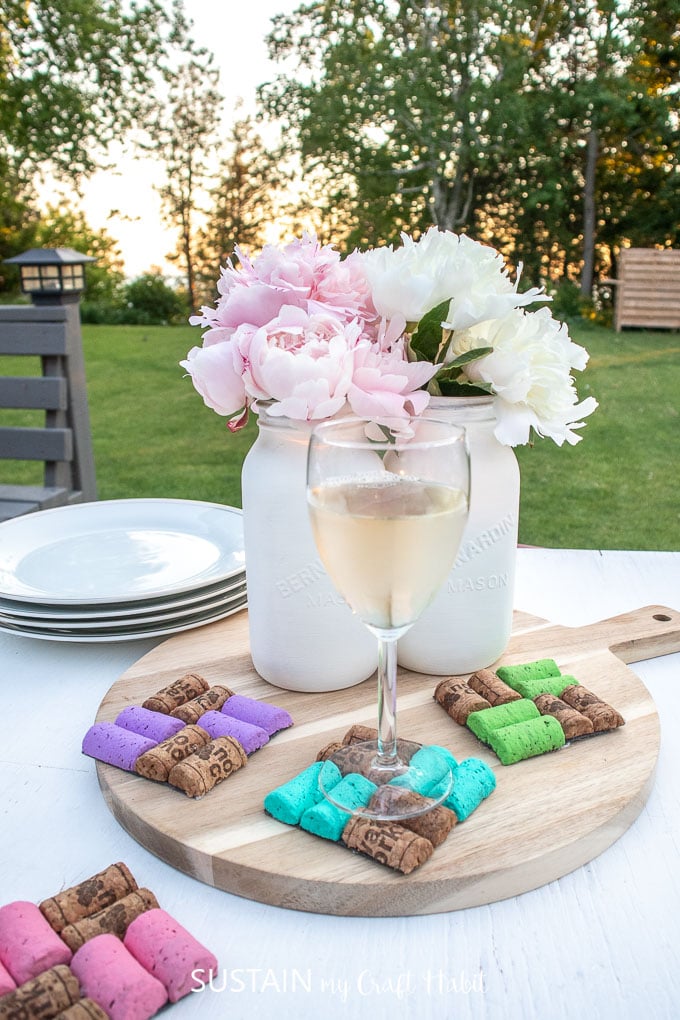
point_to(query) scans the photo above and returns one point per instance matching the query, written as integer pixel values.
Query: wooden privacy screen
(648, 288)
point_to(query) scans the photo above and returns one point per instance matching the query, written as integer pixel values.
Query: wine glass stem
(387, 700)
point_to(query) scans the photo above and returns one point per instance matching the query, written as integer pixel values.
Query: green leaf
(462, 388)
(465, 359)
(428, 337)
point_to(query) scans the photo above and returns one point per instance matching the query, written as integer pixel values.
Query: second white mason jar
(468, 625)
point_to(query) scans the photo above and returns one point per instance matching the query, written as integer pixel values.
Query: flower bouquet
(376, 333)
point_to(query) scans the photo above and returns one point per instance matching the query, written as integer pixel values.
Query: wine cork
(359, 734)
(208, 766)
(329, 750)
(83, 1009)
(458, 700)
(217, 724)
(602, 715)
(328, 820)
(573, 722)
(434, 824)
(288, 802)
(489, 685)
(351, 758)
(191, 711)
(387, 843)
(90, 896)
(111, 920)
(258, 713)
(169, 952)
(429, 771)
(28, 945)
(115, 745)
(538, 670)
(527, 739)
(108, 973)
(473, 781)
(7, 982)
(177, 693)
(531, 687)
(43, 997)
(483, 723)
(156, 726)
(160, 760)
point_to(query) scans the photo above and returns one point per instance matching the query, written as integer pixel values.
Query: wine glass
(388, 509)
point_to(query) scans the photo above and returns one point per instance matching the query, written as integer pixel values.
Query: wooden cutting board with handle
(547, 816)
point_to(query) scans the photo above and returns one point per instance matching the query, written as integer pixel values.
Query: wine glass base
(419, 780)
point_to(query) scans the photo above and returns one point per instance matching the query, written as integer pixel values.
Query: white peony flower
(412, 280)
(529, 371)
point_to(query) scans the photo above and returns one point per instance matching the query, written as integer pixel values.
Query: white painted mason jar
(468, 625)
(303, 635)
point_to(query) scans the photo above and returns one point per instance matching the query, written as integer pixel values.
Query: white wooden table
(602, 942)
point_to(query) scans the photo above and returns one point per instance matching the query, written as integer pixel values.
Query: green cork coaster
(539, 721)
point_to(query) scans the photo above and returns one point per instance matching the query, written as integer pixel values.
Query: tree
(17, 224)
(77, 75)
(149, 300)
(243, 202)
(184, 140)
(547, 129)
(613, 99)
(407, 105)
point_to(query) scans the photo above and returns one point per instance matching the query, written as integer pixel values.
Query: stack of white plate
(118, 570)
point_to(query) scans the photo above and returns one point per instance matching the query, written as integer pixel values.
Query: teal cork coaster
(527, 739)
(300, 802)
(483, 723)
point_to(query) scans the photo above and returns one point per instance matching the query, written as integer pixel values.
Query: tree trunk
(589, 214)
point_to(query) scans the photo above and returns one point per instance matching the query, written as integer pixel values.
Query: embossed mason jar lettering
(303, 636)
(468, 625)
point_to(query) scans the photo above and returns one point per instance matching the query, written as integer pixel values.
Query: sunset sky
(237, 42)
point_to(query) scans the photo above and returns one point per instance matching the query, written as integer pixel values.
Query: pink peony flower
(216, 372)
(302, 361)
(343, 289)
(385, 386)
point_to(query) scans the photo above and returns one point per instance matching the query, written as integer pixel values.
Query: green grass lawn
(617, 489)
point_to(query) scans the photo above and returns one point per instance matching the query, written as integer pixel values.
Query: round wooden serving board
(547, 816)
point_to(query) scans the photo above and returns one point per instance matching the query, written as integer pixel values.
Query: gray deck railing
(64, 443)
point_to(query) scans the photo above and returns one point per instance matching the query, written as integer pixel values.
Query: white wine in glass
(388, 512)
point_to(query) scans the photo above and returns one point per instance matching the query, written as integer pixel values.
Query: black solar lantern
(52, 275)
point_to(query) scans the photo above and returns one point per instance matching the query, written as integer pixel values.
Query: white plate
(119, 551)
(114, 623)
(133, 634)
(35, 611)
